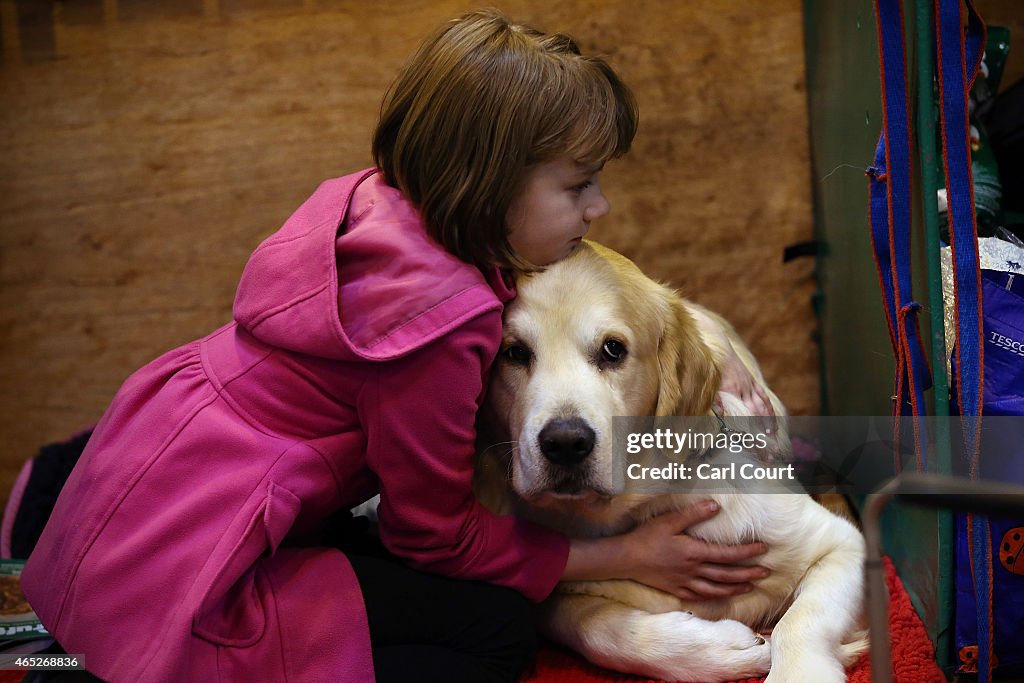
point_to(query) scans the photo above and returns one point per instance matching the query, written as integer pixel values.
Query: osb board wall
(149, 145)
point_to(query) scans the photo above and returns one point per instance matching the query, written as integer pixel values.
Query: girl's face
(553, 212)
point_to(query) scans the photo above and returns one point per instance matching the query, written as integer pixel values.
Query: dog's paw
(697, 649)
(744, 653)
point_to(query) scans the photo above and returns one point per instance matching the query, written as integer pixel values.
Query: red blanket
(913, 656)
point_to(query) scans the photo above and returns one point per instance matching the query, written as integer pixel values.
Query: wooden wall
(147, 146)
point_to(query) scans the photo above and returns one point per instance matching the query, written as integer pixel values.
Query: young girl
(188, 543)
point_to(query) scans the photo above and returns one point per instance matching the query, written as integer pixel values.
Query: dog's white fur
(552, 367)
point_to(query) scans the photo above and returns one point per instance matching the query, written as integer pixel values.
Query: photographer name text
(711, 472)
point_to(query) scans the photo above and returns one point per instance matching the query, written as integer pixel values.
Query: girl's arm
(418, 415)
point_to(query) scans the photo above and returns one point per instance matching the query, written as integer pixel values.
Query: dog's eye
(613, 351)
(518, 354)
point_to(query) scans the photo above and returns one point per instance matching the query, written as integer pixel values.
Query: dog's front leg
(669, 646)
(812, 639)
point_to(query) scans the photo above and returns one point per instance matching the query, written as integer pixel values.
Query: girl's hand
(737, 380)
(664, 556)
(659, 554)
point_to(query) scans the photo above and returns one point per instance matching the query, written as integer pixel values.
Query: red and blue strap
(958, 58)
(890, 192)
(955, 78)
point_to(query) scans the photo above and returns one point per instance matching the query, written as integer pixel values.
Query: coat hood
(353, 274)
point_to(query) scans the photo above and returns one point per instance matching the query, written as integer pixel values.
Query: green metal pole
(928, 165)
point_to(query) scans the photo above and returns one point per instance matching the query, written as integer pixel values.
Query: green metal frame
(928, 161)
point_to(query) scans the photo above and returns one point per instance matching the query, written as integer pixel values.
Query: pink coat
(355, 365)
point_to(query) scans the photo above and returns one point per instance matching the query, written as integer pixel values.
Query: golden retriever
(589, 338)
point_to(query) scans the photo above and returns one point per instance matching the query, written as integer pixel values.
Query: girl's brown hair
(481, 102)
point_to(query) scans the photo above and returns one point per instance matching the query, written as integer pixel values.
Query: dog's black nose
(566, 441)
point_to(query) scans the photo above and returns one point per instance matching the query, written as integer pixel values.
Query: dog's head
(590, 338)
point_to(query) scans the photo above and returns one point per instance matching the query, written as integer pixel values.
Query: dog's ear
(690, 377)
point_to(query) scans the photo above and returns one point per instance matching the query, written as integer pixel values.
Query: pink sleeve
(419, 422)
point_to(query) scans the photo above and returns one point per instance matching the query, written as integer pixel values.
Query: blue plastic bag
(1002, 460)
